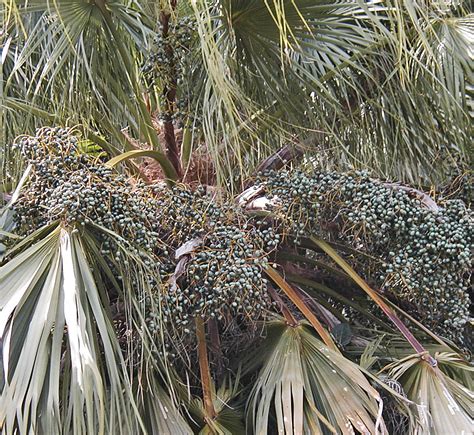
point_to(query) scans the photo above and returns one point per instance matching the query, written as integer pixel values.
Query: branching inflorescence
(211, 255)
(424, 252)
(223, 277)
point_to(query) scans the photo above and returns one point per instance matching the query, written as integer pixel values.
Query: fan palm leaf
(80, 61)
(229, 418)
(62, 360)
(255, 89)
(415, 90)
(447, 404)
(382, 84)
(311, 388)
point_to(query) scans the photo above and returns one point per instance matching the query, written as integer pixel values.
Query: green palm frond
(228, 406)
(310, 388)
(256, 90)
(53, 291)
(447, 404)
(456, 368)
(159, 412)
(414, 90)
(446, 52)
(60, 36)
(381, 84)
(79, 61)
(62, 360)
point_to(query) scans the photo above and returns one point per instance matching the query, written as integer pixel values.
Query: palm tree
(131, 307)
(347, 77)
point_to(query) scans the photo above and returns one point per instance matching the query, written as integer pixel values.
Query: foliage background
(216, 87)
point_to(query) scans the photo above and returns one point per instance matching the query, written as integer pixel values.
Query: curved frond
(63, 368)
(309, 387)
(446, 404)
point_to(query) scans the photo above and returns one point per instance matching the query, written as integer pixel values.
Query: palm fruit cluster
(179, 37)
(170, 62)
(426, 254)
(73, 188)
(223, 276)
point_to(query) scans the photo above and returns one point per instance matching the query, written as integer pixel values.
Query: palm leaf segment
(61, 358)
(313, 389)
(444, 393)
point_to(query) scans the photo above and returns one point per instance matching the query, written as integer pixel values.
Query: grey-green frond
(62, 360)
(446, 403)
(311, 388)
